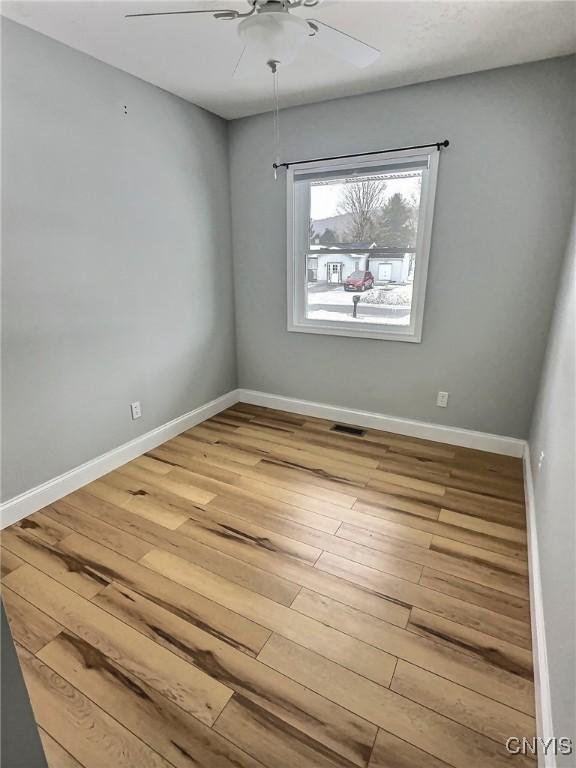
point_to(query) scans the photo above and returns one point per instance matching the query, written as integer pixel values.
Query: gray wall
(554, 434)
(503, 207)
(117, 273)
(20, 745)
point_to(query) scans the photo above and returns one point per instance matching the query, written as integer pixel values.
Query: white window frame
(296, 267)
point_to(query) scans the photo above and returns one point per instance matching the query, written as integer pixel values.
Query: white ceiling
(194, 56)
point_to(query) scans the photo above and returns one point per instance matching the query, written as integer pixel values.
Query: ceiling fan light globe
(274, 36)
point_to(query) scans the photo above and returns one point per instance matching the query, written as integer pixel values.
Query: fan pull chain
(274, 68)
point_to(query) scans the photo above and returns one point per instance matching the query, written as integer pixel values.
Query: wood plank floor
(265, 591)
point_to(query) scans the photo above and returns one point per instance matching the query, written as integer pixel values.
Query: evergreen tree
(329, 236)
(396, 223)
(311, 231)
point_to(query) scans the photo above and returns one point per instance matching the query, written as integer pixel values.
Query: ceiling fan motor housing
(273, 32)
(273, 5)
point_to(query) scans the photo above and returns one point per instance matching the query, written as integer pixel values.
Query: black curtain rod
(437, 144)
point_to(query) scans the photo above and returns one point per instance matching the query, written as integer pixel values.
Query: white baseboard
(31, 501)
(544, 724)
(465, 438)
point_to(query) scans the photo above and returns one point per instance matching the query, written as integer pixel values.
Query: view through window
(358, 245)
(363, 240)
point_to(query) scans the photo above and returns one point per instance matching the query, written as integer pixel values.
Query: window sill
(357, 333)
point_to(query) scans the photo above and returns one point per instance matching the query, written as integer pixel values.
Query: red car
(359, 281)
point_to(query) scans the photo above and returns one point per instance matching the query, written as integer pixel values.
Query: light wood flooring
(264, 591)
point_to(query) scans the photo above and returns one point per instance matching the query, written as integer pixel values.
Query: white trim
(297, 321)
(26, 503)
(31, 501)
(544, 724)
(466, 438)
(360, 331)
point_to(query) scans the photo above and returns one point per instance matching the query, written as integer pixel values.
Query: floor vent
(347, 430)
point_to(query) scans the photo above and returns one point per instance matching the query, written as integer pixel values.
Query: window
(358, 243)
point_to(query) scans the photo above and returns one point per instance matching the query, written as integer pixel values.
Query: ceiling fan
(273, 35)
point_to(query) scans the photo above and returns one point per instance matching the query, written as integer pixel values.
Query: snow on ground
(397, 296)
(331, 296)
(381, 319)
(383, 306)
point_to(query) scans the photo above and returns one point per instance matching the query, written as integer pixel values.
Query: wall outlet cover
(136, 409)
(442, 399)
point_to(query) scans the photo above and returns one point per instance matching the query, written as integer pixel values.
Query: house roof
(355, 246)
(372, 250)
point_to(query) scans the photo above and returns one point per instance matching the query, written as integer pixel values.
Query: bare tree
(361, 200)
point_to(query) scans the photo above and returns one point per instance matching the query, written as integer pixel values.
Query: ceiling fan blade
(343, 45)
(219, 14)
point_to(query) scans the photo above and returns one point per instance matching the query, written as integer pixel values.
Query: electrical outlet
(540, 459)
(136, 409)
(442, 399)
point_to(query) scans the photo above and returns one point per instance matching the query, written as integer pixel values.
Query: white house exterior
(332, 265)
(390, 269)
(333, 268)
